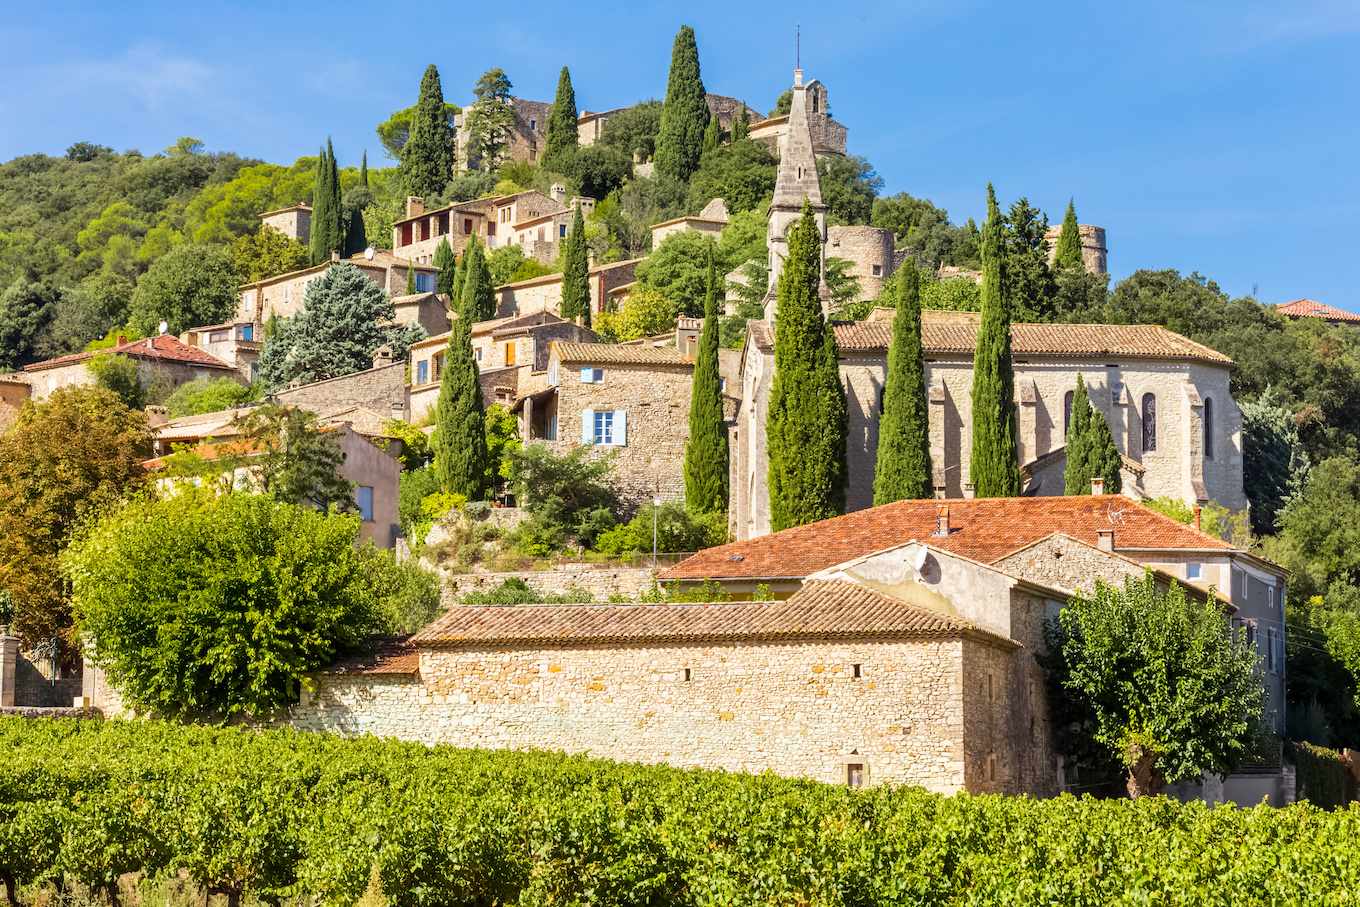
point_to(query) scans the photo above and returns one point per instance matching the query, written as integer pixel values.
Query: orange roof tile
(620, 354)
(1307, 308)
(392, 655)
(166, 347)
(984, 529)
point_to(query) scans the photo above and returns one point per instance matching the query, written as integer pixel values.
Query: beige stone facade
(544, 294)
(871, 253)
(496, 222)
(284, 294)
(162, 360)
(294, 223)
(527, 137)
(14, 393)
(238, 345)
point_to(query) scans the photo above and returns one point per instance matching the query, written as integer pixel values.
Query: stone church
(1165, 397)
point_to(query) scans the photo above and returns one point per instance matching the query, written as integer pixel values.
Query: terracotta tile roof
(393, 655)
(984, 529)
(620, 354)
(165, 348)
(1307, 308)
(1137, 341)
(821, 609)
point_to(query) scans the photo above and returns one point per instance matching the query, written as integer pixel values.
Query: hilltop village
(657, 434)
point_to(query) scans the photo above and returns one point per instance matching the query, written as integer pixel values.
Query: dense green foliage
(706, 453)
(267, 253)
(427, 153)
(676, 529)
(684, 114)
(919, 225)
(634, 131)
(276, 814)
(1067, 253)
(345, 318)
(395, 131)
(477, 292)
(576, 272)
(678, 270)
(808, 420)
(849, 187)
(995, 467)
(562, 136)
(742, 175)
(327, 223)
(206, 395)
(120, 374)
(190, 286)
(205, 604)
(903, 470)
(566, 495)
(644, 313)
(1089, 448)
(446, 262)
(1030, 285)
(1274, 465)
(459, 442)
(489, 120)
(515, 591)
(1157, 680)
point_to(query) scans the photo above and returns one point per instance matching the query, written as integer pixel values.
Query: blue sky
(1211, 136)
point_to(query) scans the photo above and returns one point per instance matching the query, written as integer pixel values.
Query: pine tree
(562, 137)
(904, 470)
(684, 115)
(1068, 253)
(427, 160)
(479, 296)
(713, 134)
(808, 420)
(445, 261)
(460, 453)
(576, 272)
(1089, 448)
(741, 126)
(706, 453)
(410, 278)
(994, 469)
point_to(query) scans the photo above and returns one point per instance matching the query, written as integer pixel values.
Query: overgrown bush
(410, 594)
(1322, 776)
(676, 530)
(515, 591)
(566, 496)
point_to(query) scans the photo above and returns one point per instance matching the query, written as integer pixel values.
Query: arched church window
(1067, 412)
(1208, 428)
(1149, 422)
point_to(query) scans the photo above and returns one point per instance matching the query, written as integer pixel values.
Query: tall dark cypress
(410, 278)
(562, 136)
(1068, 251)
(479, 296)
(808, 421)
(327, 235)
(904, 470)
(576, 272)
(335, 222)
(460, 452)
(713, 134)
(684, 114)
(994, 468)
(1089, 448)
(445, 261)
(459, 278)
(706, 453)
(356, 232)
(741, 124)
(427, 160)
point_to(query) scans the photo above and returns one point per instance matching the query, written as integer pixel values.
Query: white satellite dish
(164, 326)
(921, 555)
(368, 253)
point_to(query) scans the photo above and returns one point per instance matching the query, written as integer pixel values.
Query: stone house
(14, 393)
(544, 294)
(283, 294)
(163, 359)
(294, 223)
(711, 220)
(528, 132)
(631, 401)
(522, 218)
(1307, 308)
(238, 344)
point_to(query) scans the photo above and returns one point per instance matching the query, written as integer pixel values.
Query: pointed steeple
(795, 181)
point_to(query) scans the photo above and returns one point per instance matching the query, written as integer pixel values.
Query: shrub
(515, 591)
(676, 530)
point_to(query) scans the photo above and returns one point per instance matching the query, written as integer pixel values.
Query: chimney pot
(122, 340)
(1105, 539)
(335, 255)
(941, 519)
(1097, 485)
(969, 492)
(1197, 513)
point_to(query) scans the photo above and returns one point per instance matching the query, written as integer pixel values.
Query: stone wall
(379, 389)
(867, 248)
(794, 708)
(294, 223)
(13, 395)
(600, 582)
(1093, 252)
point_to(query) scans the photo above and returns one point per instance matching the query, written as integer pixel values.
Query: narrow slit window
(1067, 411)
(854, 775)
(1149, 423)
(858, 669)
(689, 674)
(1208, 428)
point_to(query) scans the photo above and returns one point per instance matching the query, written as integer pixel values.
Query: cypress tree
(576, 272)
(1090, 448)
(335, 226)
(562, 137)
(459, 275)
(321, 196)
(808, 421)
(356, 232)
(479, 296)
(410, 278)
(363, 171)
(713, 134)
(445, 261)
(994, 469)
(427, 160)
(460, 452)
(706, 454)
(684, 114)
(1068, 253)
(741, 126)
(904, 470)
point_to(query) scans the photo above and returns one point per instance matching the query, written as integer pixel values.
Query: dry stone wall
(600, 582)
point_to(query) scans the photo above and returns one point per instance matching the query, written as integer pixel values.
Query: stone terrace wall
(599, 582)
(794, 708)
(377, 388)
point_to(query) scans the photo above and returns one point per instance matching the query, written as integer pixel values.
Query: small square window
(991, 768)
(592, 375)
(1194, 571)
(878, 270)
(991, 687)
(858, 670)
(689, 675)
(562, 231)
(854, 774)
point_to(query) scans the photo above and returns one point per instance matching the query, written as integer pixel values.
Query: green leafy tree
(121, 375)
(447, 263)
(459, 444)
(1159, 681)
(478, 293)
(502, 440)
(742, 175)
(1029, 280)
(410, 289)
(595, 170)
(25, 309)
(841, 284)
(189, 286)
(676, 529)
(344, 318)
(634, 131)
(741, 124)
(576, 272)
(903, 471)
(1275, 466)
(1090, 448)
(849, 187)
(922, 226)
(644, 313)
(684, 114)
(706, 453)
(783, 105)
(808, 421)
(427, 157)
(712, 134)
(562, 137)
(678, 270)
(65, 457)
(212, 605)
(1068, 251)
(356, 200)
(394, 131)
(489, 121)
(206, 395)
(994, 467)
(268, 253)
(565, 494)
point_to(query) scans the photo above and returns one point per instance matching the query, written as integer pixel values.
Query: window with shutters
(604, 428)
(467, 226)
(1149, 422)
(363, 500)
(443, 223)
(510, 353)
(405, 234)
(592, 375)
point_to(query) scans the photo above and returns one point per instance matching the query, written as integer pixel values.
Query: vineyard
(308, 818)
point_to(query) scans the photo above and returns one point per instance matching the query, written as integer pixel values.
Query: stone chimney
(157, 415)
(1097, 485)
(558, 193)
(122, 340)
(382, 356)
(1105, 539)
(335, 255)
(941, 520)
(1197, 514)
(969, 492)
(415, 206)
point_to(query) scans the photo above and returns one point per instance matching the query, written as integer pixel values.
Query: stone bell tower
(796, 180)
